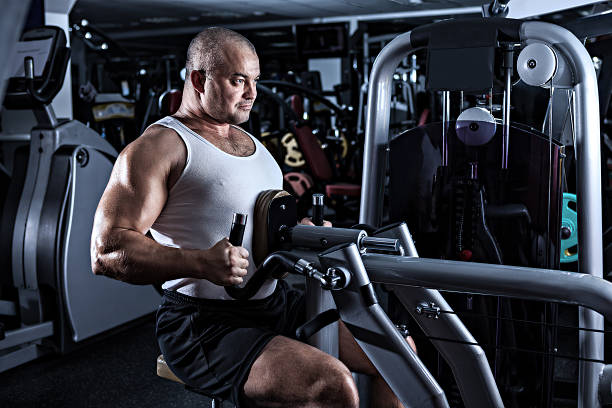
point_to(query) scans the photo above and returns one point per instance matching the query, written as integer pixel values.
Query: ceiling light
(159, 20)
(84, 23)
(104, 46)
(88, 35)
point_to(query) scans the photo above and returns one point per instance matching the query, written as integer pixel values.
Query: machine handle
(237, 231)
(28, 67)
(273, 267)
(380, 244)
(317, 209)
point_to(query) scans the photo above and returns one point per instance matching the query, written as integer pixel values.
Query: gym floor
(117, 371)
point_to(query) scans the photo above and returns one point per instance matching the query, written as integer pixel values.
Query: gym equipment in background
(314, 157)
(50, 301)
(569, 229)
(499, 200)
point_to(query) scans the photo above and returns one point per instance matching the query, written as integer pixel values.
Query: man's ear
(197, 80)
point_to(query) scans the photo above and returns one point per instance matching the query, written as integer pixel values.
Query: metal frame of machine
(570, 52)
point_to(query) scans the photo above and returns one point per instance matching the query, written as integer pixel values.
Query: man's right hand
(226, 265)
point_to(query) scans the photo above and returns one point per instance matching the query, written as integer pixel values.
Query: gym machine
(50, 301)
(345, 262)
(548, 56)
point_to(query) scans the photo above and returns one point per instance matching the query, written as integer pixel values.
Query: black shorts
(212, 344)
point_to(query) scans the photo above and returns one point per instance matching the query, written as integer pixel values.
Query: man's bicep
(136, 193)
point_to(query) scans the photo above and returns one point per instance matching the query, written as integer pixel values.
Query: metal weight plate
(293, 155)
(344, 144)
(569, 230)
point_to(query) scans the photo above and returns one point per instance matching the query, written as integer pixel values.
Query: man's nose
(250, 90)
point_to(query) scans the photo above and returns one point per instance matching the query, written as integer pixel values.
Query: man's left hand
(308, 221)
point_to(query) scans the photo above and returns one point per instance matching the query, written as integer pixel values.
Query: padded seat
(351, 190)
(164, 371)
(170, 101)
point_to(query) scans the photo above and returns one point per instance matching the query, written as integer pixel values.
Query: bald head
(206, 50)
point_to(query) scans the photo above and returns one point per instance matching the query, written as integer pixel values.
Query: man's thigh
(351, 354)
(294, 373)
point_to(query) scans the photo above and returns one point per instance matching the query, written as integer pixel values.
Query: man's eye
(238, 81)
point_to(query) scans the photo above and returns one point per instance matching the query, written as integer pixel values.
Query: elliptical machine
(50, 301)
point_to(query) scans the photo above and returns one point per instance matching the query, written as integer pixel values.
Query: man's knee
(336, 388)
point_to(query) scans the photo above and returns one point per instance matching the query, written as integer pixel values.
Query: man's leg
(292, 374)
(356, 360)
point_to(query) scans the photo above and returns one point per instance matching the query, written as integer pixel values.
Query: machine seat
(350, 190)
(164, 371)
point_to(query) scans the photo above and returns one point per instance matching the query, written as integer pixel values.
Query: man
(182, 180)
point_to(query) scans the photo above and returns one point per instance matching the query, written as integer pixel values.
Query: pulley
(537, 64)
(475, 126)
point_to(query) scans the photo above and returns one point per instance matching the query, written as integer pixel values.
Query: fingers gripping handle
(317, 209)
(237, 231)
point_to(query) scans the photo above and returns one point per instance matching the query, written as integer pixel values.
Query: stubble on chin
(239, 118)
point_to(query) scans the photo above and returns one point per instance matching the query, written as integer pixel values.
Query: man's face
(230, 91)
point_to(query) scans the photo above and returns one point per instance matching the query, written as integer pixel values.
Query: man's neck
(202, 123)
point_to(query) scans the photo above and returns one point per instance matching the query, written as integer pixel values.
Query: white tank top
(198, 211)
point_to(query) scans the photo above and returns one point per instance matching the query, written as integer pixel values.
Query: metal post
(445, 120)
(588, 177)
(506, 118)
(377, 128)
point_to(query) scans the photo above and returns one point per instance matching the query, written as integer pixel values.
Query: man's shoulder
(158, 143)
(159, 134)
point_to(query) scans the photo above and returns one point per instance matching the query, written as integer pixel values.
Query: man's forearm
(131, 257)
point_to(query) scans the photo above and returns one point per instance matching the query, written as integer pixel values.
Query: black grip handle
(317, 209)
(268, 269)
(28, 67)
(237, 232)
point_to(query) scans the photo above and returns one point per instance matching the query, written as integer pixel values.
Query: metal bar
(500, 280)
(445, 121)
(7, 308)
(377, 128)
(26, 334)
(588, 186)
(380, 340)
(478, 390)
(20, 356)
(506, 118)
(317, 302)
